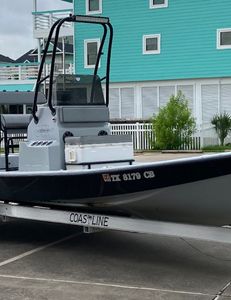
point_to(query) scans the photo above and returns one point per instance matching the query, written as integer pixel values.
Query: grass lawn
(216, 148)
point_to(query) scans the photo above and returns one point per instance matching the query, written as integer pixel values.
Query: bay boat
(70, 158)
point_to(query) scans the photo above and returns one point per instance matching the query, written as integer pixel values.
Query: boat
(71, 160)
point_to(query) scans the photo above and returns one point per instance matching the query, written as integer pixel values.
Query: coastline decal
(89, 220)
(128, 176)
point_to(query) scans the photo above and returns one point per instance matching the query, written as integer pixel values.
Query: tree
(174, 125)
(222, 125)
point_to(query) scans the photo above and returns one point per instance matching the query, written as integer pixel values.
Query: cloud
(16, 24)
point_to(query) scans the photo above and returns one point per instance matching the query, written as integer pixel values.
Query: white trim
(219, 31)
(86, 66)
(154, 6)
(145, 37)
(88, 12)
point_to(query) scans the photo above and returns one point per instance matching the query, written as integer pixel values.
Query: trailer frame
(94, 222)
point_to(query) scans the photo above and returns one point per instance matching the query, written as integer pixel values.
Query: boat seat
(14, 128)
(15, 123)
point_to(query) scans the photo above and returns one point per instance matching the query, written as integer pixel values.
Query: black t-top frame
(55, 29)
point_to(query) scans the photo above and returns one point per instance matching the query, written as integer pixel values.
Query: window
(11, 109)
(114, 103)
(151, 44)
(209, 100)
(93, 7)
(158, 3)
(149, 102)
(91, 48)
(165, 92)
(224, 38)
(122, 103)
(127, 103)
(225, 92)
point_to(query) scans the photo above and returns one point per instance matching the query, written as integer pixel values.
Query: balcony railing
(29, 71)
(18, 72)
(43, 20)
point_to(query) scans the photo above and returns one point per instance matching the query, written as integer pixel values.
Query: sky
(16, 24)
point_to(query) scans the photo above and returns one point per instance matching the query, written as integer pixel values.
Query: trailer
(94, 222)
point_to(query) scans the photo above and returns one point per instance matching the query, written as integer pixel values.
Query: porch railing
(43, 20)
(29, 71)
(18, 72)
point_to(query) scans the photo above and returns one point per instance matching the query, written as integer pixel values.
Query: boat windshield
(77, 90)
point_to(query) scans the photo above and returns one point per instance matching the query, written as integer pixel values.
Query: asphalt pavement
(51, 261)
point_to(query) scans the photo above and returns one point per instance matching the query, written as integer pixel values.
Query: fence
(16, 138)
(142, 136)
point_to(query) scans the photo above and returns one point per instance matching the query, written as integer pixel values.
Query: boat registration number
(128, 176)
(89, 220)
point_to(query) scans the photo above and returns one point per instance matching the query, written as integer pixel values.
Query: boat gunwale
(116, 168)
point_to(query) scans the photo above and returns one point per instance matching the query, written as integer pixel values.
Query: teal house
(161, 47)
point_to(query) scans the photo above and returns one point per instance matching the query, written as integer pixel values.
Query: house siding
(188, 61)
(188, 32)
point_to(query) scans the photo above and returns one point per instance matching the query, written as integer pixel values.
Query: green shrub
(174, 125)
(222, 125)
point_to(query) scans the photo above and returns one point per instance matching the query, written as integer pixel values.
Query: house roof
(27, 57)
(68, 48)
(31, 55)
(5, 59)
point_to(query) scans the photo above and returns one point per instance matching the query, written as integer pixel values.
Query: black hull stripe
(81, 187)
